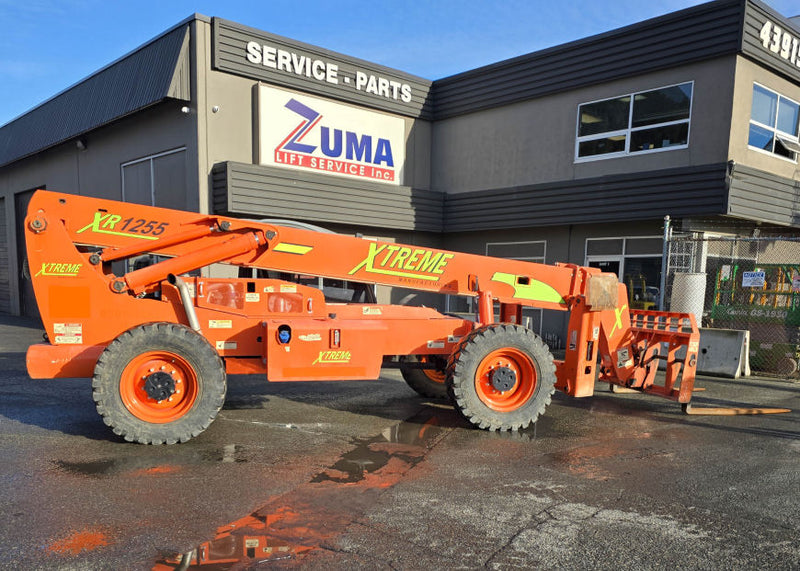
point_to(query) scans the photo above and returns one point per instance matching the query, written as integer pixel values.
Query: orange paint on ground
(157, 470)
(87, 540)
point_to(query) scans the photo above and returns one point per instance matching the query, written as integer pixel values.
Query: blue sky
(48, 45)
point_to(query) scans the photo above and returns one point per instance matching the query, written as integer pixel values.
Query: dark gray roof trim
(241, 189)
(154, 72)
(762, 196)
(229, 55)
(686, 191)
(753, 46)
(697, 33)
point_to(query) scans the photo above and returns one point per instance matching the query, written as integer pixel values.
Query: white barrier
(724, 353)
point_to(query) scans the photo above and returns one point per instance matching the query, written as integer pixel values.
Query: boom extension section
(157, 380)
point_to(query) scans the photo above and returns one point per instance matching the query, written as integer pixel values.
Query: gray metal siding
(229, 55)
(703, 32)
(181, 85)
(139, 80)
(765, 197)
(688, 191)
(258, 191)
(752, 46)
(5, 271)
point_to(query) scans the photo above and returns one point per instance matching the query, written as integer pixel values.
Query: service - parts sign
(309, 133)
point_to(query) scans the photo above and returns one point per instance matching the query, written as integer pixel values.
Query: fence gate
(741, 283)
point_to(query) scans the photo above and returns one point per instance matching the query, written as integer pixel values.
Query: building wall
(748, 73)
(468, 165)
(230, 133)
(96, 171)
(534, 141)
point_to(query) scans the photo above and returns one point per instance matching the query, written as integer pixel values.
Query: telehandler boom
(159, 343)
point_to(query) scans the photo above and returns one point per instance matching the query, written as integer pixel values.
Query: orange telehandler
(159, 343)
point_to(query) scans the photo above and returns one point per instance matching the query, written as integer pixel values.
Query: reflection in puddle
(403, 446)
(255, 538)
(310, 517)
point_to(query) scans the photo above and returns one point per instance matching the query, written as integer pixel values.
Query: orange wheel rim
(184, 387)
(505, 362)
(434, 375)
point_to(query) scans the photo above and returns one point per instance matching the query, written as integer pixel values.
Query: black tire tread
(465, 359)
(421, 383)
(156, 336)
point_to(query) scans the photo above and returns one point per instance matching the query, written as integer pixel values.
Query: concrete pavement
(366, 475)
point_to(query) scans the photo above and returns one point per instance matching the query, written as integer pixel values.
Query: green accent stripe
(533, 291)
(129, 235)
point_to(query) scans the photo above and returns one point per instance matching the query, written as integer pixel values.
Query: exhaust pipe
(186, 299)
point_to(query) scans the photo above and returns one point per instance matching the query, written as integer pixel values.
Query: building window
(647, 121)
(527, 251)
(157, 180)
(637, 263)
(774, 123)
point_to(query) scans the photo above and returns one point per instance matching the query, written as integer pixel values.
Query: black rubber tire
(418, 380)
(193, 348)
(463, 367)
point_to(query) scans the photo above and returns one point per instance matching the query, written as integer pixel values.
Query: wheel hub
(503, 379)
(159, 386)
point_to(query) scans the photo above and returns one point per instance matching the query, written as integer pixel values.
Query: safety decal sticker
(220, 324)
(68, 333)
(624, 358)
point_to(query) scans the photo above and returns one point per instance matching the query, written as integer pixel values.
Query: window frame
(621, 257)
(129, 264)
(149, 159)
(535, 259)
(776, 133)
(630, 129)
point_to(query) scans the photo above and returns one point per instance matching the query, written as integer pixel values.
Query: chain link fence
(741, 283)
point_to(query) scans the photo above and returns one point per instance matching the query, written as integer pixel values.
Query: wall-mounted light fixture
(81, 143)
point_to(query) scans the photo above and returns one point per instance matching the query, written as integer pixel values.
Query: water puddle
(309, 517)
(254, 539)
(148, 465)
(400, 446)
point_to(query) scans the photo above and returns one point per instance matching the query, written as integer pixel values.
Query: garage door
(5, 292)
